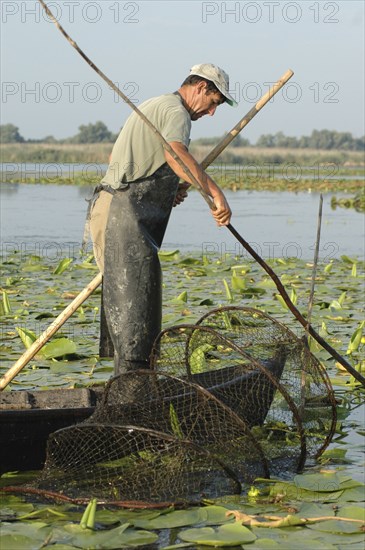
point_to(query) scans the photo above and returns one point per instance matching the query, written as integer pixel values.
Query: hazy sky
(148, 47)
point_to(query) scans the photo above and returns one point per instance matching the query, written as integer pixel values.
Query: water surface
(50, 219)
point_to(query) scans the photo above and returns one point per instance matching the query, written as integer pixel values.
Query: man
(134, 203)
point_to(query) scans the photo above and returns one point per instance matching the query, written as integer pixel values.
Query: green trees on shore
(98, 133)
(89, 133)
(319, 139)
(10, 134)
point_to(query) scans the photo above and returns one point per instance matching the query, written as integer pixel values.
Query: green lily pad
(314, 510)
(120, 537)
(216, 515)
(295, 539)
(291, 544)
(327, 483)
(19, 542)
(355, 494)
(354, 512)
(58, 348)
(291, 492)
(17, 533)
(336, 526)
(177, 518)
(106, 517)
(11, 503)
(231, 534)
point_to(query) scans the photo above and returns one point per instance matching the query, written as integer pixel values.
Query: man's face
(204, 103)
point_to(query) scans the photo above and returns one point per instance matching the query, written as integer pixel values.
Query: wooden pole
(315, 261)
(50, 331)
(246, 119)
(311, 298)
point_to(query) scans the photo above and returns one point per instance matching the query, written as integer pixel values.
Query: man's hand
(181, 193)
(222, 214)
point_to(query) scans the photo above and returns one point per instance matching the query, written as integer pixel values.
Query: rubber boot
(137, 222)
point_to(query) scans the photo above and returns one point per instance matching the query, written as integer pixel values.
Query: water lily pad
(58, 348)
(315, 510)
(106, 517)
(302, 539)
(336, 526)
(291, 492)
(356, 494)
(216, 515)
(120, 537)
(291, 544)
(231, 534)
(354, 512)
(177, 518)
(327, 483)
(17, 533)
(19, 542)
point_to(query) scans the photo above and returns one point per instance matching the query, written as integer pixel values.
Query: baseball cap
(216, 75)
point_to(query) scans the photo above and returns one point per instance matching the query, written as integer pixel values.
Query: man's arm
(223, 213)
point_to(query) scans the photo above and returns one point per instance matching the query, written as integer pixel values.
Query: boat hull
(28, 418)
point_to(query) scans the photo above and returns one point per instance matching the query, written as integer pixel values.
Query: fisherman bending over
(133, 204)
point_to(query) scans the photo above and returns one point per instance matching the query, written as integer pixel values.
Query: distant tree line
(319, 139)
(99, 133)
(88, 133)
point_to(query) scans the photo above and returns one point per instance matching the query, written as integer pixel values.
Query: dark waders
(137, 222)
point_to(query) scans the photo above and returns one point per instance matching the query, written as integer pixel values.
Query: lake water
(49, 219)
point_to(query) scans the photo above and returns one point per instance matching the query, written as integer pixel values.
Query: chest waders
(137, 222)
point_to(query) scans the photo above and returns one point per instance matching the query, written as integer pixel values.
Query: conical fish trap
(231, 398)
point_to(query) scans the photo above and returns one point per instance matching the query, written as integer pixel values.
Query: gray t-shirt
(138, 152)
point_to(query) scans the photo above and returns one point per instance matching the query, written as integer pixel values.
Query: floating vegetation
(36, 289)
(322, 510)
(32, 295)
(357, 202)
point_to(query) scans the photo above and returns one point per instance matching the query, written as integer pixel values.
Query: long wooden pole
(50, 331)
(247, 118)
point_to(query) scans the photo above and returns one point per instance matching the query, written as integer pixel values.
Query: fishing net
(231, 398)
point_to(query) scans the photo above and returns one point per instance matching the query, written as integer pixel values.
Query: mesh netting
(231, 398)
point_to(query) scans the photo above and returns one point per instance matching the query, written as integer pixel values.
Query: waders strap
(91, 201)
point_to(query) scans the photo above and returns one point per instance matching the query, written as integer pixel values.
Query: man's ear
(201, 86)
